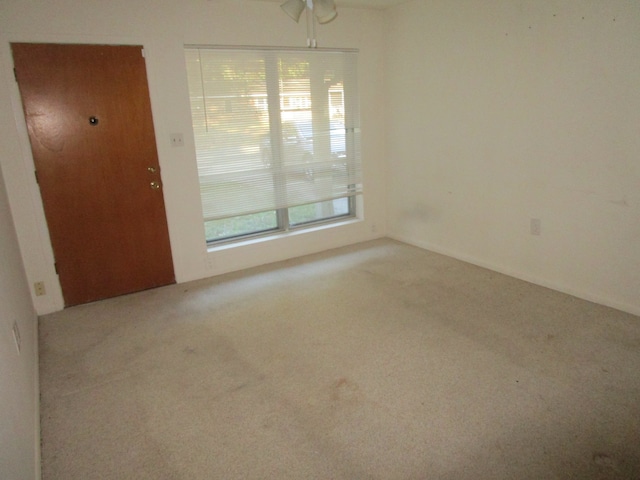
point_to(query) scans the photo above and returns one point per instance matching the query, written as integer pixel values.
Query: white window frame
(350, 161)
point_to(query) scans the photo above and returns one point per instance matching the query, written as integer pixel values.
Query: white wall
(497, 112)
(506, 110)
(19, 420)
(164, 27)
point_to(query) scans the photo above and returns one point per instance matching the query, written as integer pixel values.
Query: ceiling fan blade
(324, 10)
(294, 8)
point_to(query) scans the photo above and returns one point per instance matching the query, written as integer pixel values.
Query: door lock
(151, 169)
(155, 185)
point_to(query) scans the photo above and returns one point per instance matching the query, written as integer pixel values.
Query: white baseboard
(632, 309)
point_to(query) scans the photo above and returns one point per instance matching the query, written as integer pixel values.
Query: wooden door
(88, 115)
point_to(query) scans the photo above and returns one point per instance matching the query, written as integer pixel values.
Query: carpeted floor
(376, 361)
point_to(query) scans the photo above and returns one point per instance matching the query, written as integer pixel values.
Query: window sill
(271, 236)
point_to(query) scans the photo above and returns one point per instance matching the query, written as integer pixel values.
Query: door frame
(23, 191)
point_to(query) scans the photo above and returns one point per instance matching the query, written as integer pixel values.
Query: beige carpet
(377, 361)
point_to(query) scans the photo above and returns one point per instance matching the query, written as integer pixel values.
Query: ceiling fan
(322, 11)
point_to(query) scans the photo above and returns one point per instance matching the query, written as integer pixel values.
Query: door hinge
(143, 53)
(55, 266)
(15, 74)
(35, 172)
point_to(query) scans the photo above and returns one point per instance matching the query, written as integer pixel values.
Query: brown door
(89, 119)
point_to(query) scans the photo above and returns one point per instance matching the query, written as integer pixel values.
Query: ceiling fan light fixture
(324, 10)
(294, 8)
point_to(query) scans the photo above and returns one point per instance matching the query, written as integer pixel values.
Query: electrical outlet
(38, 287)
(536, 228)
(16, 335)
(177, 139)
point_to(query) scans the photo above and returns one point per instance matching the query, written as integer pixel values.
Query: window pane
(314, 212)
(273, 128)
(241, 225)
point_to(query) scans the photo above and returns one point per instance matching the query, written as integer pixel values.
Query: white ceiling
(378, 4)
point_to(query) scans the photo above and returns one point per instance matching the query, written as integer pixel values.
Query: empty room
(350, 239)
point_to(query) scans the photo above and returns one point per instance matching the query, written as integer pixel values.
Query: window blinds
(273, 129)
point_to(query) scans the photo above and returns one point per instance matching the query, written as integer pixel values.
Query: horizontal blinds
(273, 129)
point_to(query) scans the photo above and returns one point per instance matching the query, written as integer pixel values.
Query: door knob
(155, 185)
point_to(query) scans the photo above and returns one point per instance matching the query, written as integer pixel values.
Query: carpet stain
(345, 391)
(605, 460)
